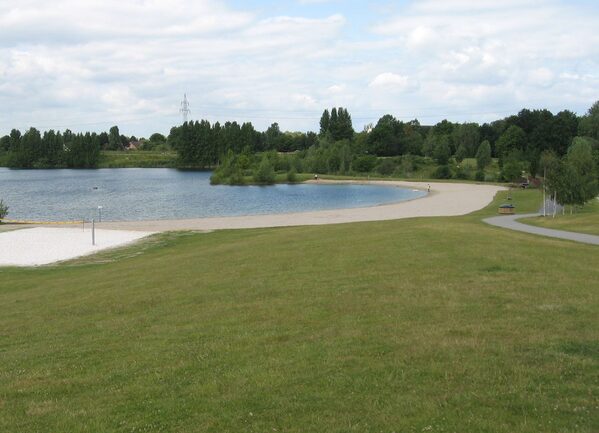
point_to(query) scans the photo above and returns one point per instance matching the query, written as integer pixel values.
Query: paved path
(509, 222)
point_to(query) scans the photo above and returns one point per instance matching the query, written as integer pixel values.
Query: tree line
(522, 144)
(519, 138)
(50, 150)
(55, 149)
(202, 144)
(517, 141)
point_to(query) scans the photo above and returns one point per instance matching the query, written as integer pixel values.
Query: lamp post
(100, 213)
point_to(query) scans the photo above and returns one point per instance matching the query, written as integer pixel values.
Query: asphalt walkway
(509, 222)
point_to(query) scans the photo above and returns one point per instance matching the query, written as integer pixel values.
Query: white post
(93, 232)
(544, 188)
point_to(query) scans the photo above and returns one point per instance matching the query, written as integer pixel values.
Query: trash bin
(507, 209)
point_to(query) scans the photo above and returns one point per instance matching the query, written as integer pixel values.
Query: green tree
(157, 139)
(513, 167)
(4, 144)
(582, 176)
(589, 124)
(461, 153)
(442, 152)
(386, 167)
(466, 136)
(273, 136)
(514, 138)
(483, 155)
(364, 163)
(114, 139)
(325, 122)
(385, 139)
(265, 173)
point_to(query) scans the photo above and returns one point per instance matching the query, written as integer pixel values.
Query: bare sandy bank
(43, 245)
(445, 199)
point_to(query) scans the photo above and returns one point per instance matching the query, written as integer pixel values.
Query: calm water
(146, 193)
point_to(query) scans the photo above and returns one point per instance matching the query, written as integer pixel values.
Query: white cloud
(336, 89)
(76, 63)
(389, 80)
(541, 77)
(474, 53)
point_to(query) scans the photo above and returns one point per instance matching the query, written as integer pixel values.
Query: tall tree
(325, 122)
(514, 138)
(483, 155)
(114, 139)
(589, 124)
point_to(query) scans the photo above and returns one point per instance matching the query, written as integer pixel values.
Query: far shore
(444, 199)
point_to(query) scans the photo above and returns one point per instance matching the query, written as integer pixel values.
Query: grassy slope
(436, 324)
(585, 220)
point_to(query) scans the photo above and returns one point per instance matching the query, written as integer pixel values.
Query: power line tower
(185, 108)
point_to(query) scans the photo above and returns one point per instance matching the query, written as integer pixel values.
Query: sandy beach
(444, 199)
(44, 245)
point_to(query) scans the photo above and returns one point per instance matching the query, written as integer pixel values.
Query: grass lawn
(429, 324)
(585, 220)
(138, 158)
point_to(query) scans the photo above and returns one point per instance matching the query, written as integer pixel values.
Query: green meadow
(416, 325)
(138, 158)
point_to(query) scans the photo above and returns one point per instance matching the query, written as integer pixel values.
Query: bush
(291, 176)
(479, 176)
(483, 155)
(462, 172)
(442, 152)
(265, 172)
(3, 210)
(236, 178)
(282, 163)
(490, 177)
(442, 172)
(364, 164)
(386, 167)
(512, 170)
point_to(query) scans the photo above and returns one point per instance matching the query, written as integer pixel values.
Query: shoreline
(444, 199)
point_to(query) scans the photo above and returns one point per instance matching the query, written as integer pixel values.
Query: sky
(88, 65)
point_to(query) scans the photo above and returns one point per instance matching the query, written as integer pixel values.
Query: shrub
(364, 164)
(265, 172)
(512, 170)
(3, 210)
(282, 163)
(237, 178)
(442, 152)
(461, 153)
(386, 167)
(462, 172)
(483, 155)
(490, 177)
(442, 172)
(480, 176)
(291, 176)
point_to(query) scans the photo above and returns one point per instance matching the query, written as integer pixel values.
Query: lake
(148, 194)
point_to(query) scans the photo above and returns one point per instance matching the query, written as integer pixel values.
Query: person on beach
(429, 187)
(316, 177)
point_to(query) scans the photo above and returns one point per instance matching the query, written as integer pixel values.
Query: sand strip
(43, 245)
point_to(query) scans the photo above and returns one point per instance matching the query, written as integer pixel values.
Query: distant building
(134, 145)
